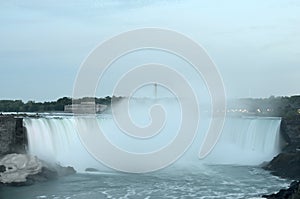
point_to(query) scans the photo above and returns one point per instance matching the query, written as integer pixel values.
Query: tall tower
(155, 90)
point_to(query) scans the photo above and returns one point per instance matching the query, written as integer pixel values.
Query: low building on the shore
(85, 108)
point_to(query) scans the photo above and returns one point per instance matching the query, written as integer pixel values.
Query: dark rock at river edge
(293, 192)
(285, 165)
(22, 169)
(47, 174)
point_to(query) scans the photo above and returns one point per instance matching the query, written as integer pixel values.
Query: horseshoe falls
(247, 141)
(230, 171)
(243, 141)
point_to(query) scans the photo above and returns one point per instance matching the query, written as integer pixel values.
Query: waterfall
(247, 141)
(244, 141)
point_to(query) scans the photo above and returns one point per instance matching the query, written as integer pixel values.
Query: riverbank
(287, 163)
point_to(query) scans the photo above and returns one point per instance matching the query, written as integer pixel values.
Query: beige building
(85, 108)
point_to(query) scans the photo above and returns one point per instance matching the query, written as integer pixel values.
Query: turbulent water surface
(198, 182)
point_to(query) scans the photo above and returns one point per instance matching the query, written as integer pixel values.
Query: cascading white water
(247, 141)
(55, 140)
(244, 141)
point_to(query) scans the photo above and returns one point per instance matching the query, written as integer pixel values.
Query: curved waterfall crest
(244, 141)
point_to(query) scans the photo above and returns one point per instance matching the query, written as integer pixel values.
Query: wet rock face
(286, 165)
(290, 130)
(18, 167)
(2, 168)
(22, 169)
(293, 192)
(12, 135)
(7, 129)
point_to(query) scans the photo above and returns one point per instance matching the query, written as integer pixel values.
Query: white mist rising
(244, 141)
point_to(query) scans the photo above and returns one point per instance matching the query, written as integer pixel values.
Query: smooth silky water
(231, 170)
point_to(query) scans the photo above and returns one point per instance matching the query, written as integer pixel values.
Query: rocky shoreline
(23, 169)
(293, 192)
(287, 163)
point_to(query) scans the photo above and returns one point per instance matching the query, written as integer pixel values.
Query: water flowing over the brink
(244, 141)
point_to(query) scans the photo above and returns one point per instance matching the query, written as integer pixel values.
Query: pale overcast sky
(254, 43)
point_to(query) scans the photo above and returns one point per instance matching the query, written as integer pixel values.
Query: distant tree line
(32, 106)
(285, 107)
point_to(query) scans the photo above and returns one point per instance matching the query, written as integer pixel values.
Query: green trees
(11, 105)
(286, 107)
(32, 106)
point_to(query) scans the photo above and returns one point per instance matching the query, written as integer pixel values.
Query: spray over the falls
(244, 141)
